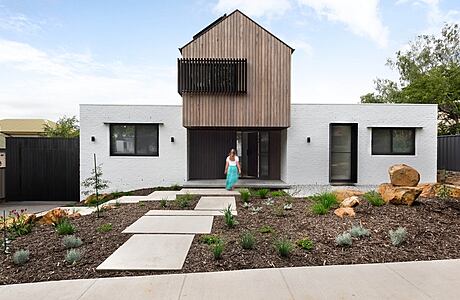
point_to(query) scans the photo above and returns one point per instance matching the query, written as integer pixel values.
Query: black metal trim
(157, 154)
(391, 129)
(354, 153)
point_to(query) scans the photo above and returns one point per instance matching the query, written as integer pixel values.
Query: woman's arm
(239, 167)
(226, 167)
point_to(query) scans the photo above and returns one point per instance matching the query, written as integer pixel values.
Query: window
(134, 139)
(393, 141)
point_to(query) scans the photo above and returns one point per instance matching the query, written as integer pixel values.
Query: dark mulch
(432, 225)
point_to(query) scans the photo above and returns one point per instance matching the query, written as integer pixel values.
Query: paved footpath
(413, 280)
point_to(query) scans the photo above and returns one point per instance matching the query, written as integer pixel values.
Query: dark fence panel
(42, 169)
(449, 152)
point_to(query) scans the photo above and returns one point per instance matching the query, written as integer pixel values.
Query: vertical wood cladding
(268, 98)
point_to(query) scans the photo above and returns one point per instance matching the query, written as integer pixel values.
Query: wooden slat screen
(212, 75)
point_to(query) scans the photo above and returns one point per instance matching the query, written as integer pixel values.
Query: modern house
(235, 81)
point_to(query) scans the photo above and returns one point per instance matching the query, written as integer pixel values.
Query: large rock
(428, 190)
(345, 211)
(403, 175)
(350, 202)
(342, 194)
(431, 190)
(399, 194)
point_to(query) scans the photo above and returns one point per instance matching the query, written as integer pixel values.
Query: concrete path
(32, 207)
(413, 280)
(216, 203)
(172, 224)
(163, 195)
(208, 192)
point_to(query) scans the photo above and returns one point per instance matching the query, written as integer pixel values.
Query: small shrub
(248, 241)
(443, 192)
(141, 204)
(374, 198)
(344, 239)
(323, 202)
(210, 239)
(266, 229)
(183, 201)
(245, 195)
(398, 236)
(305, 244)
(255, 210)
(217, 250)
(279, 211)
(358, 231)
(71, 241)
(64, 227)
(229, 217)
(20, 224)
(163, 203)
(262, 193)
(319, 209)
(104, 228)
(284, 247)
(73, 256)
(20, 257)
(279, 193)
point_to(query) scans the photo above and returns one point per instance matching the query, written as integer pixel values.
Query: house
(22, 128)
(235, 81)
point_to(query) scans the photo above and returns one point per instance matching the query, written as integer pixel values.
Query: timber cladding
(268, 98)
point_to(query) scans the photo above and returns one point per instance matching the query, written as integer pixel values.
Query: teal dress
(232, 174)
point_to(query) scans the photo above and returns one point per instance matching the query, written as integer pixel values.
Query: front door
(249, 154)
(343, 153)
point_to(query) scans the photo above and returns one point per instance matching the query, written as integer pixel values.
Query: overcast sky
(55, 54)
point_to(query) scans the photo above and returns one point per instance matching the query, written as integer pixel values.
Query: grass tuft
(248, 241)
(323, 202)
(284, 247)
(374, 198)
(64, 227)
(104, 228)
(305, 244)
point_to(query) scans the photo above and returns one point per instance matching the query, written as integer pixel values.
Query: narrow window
(393, 141)
(134, 140)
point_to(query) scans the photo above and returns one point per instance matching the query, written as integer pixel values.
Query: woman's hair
(232, 151)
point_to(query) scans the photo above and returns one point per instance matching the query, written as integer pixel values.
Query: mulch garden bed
(433, 227)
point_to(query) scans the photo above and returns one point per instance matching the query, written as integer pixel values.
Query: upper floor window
(134, 140)
(393, 141)
(212, 75)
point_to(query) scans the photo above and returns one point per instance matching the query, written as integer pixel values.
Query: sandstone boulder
(350, 202)
(343, 194)
(428, 190)
(403, 175)
(53, 216)
(345, 211)
(399, 194)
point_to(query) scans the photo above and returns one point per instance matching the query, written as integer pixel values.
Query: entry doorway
(254, 151)
(343, 155)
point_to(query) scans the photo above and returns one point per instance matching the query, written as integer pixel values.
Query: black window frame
(157, 125)
(391, 129)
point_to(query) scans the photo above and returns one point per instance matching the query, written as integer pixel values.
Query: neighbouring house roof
(225, 16)
(23, 126)
(2, 141)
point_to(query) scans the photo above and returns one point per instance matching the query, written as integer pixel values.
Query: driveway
(32, 206)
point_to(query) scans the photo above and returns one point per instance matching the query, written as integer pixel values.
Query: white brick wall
(128, 172)
(309, 163)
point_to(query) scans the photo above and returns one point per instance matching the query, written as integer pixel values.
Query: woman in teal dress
(232, 169)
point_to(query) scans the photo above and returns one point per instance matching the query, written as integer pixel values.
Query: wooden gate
(42, 169)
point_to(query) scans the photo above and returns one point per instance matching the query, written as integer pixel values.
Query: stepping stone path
(163, 238)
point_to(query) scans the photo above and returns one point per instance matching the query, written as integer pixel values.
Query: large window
(393, 141)
(134, 139)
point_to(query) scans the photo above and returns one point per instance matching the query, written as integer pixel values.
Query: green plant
(323, 202)
(284, 247)
(374, 198)
(64, 227)
(96, 183)
(163, 203)
(141, 204)
(183, 201)
(358, 231)
(344, 240)
(117, 203)
(279, 211)
(210, 239)
(398, 236)
(266, 229)
(71, 241)
(217, 249)
(20, 223)
(305, 244)
(279, 193)
(73, 256)
(20, 257)
(262, 193)
(245, 195)
(104, 228)
(443, 192)
(229, 217)
(248, 241)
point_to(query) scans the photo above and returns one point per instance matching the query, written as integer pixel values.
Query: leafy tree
(66, 127)
(429, 73)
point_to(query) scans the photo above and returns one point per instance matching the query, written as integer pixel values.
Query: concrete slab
(82, 210)
(171, 224)
(247, 284)
(163, 195)
(150, 252)
(148, 287)
(372, 281)
(209, 192)
(65, 290)
(126, 200)
(32, 207)
(215, 203)
(169, 212)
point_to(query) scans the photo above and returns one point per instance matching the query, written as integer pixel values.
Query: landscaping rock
(399, 194)
(343, 194)
(350, 202)
(403, 175)
(428, 190)
(345, 211)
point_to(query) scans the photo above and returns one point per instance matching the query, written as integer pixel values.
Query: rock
(343, 194)
(350, 202)
(345, 211)
(428, 190)
(53, 216)
(403, 175)
(399, 194)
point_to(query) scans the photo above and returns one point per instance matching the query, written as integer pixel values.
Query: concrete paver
(171, 224)
(150, 252)
(170, 212)
(163, 195)
(208, 192)
(128, 199)
(216, 203)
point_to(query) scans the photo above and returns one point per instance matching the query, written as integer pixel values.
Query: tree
(66, 127)
(429, 73)
(95, 183)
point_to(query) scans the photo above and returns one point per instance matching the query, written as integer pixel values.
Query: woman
(232, 169)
